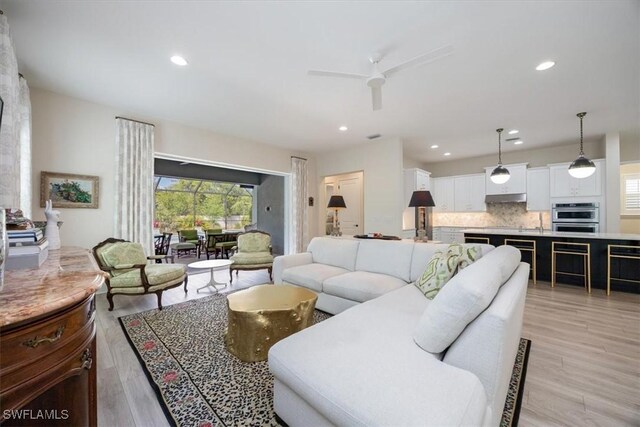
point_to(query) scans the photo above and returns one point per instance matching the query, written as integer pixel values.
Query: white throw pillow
(466, 295)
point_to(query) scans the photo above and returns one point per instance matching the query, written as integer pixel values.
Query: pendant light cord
(581, 115)
(499, 146)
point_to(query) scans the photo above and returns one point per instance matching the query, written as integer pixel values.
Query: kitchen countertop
(549, 233)
(69, 275)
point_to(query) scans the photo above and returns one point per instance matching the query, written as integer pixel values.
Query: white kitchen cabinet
(562, 184)
(469, 192)
(538, 196)
(516, 184)
(443, 195)
(414, 180)
(448, 234)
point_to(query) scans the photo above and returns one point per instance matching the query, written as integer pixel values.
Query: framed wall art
(67, 190)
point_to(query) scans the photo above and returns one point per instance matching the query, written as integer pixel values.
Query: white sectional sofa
(364, 367)
(345, 272)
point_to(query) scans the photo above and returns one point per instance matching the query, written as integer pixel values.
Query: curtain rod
(296, 157)
(137, 121)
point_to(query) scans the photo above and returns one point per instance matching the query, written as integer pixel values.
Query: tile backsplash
(497, 215)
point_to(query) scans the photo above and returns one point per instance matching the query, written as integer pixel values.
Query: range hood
(506, 198)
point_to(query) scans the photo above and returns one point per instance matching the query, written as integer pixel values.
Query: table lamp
(336, 202)
(421, 199)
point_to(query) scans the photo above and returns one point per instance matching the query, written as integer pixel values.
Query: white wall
(76, 136)
(382, 164)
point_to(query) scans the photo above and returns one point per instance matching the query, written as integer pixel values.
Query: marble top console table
(47, 341)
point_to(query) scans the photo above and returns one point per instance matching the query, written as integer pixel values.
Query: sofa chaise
(396, 357)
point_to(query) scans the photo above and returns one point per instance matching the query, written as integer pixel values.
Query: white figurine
(52, 232)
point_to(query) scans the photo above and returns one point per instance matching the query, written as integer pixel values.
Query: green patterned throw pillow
(467, 255)
(443, 266)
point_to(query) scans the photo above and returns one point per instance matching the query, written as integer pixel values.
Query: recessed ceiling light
(513, 131)
(545, 65)
(179, 60)
(447, 154)
(343, 128)
(435, 146)
(518, 142)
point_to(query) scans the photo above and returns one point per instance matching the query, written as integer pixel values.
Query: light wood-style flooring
(584, 365)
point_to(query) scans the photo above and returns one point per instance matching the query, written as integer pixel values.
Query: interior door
(350, 218)
(350, 187)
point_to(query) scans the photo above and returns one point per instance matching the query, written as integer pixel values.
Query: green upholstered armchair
(253, 252)
(129, 272)
(217, 242)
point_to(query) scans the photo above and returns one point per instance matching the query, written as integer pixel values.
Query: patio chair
(128, 271)
(253, 252)
(186, 238)
(161, 244)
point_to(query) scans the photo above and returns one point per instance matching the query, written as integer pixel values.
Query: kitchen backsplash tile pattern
(497, 215)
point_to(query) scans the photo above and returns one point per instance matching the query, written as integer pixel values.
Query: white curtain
(25, 148)
(10, 126)
(134, 183)
(299, 203)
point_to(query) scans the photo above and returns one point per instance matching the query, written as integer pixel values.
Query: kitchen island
(626, 268)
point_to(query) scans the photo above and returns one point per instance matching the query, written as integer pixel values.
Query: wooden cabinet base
(50, 375)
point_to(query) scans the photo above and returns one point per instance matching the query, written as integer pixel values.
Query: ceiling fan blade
(376, 97)
(323, 73)
(431, 56)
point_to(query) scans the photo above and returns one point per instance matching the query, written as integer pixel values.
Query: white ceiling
(248, 61)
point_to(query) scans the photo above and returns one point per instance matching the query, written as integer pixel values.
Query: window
(193, 203)
(630, 194)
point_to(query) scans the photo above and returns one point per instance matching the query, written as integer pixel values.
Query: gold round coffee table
(261, 316)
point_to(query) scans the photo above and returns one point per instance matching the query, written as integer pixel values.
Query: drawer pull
(34, 342)
(86, 360)
(92, 308)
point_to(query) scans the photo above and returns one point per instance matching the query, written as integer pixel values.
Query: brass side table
(261, 316)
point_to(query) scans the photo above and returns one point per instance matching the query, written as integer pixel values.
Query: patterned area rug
(198, 383)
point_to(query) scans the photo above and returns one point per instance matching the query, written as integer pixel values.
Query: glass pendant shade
(581, 167)
(500, 174)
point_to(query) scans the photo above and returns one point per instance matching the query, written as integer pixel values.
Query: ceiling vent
(374, 136)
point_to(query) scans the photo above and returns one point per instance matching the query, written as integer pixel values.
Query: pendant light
(500, 174)
(581, 167)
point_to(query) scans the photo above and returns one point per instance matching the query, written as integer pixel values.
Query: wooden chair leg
(231, 276)
(186, 279)
(110, 299)
(271, 273)
(159, 294)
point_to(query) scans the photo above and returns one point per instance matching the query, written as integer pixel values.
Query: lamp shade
(500, 175)
(336, 202)
(421, 198)
(582, 167)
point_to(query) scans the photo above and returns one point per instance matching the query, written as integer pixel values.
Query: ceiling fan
(377, 78)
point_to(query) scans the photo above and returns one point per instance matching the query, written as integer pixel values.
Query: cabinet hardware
(92, 307)
(34, 342)
(86, 359)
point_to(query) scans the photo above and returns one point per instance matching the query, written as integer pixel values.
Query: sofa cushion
(440, 269)
(311, 275)
(467, 295)
(386, 257)
(398, 385)
(333, 251)
(361, 286)
(422, 253)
